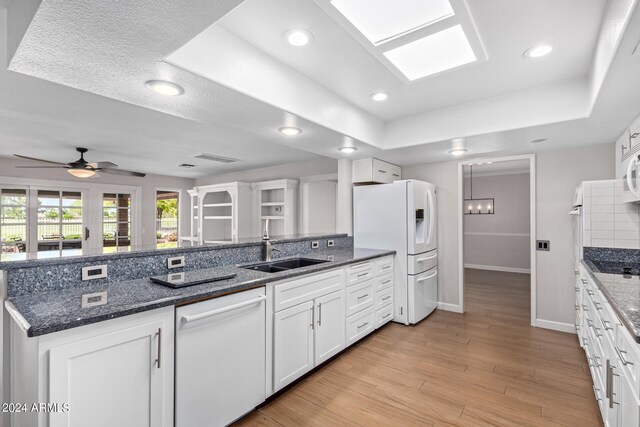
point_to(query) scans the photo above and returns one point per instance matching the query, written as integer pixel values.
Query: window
(59, 220)
(13, 220)
(116, 221)
(167, 219)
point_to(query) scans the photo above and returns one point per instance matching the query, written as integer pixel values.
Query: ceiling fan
(81, 168)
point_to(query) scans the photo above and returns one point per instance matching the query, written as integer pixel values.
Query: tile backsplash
(608, 221)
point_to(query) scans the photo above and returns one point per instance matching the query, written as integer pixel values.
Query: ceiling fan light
(82, 173)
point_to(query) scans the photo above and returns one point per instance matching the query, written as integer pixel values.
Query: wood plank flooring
(486, 367)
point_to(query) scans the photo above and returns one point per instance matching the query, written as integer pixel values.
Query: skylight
(435, 53)
(382, 20)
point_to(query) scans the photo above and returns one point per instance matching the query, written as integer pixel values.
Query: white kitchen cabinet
(292, 343)
(329, 329)
(220, 358)
(310, 332)
(367, 171)
(115, 373)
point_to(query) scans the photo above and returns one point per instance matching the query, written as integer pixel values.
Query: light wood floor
(485, 367)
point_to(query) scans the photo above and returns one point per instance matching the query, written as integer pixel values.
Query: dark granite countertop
(19, 260)
(623, 293)
(46, 312)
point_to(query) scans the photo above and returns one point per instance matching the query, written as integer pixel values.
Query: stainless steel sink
(283, 265)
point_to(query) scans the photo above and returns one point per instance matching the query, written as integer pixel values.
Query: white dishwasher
(220, 359)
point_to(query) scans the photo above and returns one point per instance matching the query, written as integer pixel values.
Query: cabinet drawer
(360, 325)
(384, 315)
(422, 262)
(384, 282)
(383, 298)
(384, 266)
(359, 297)
(297, 291)
(360, 272)
(629, 355)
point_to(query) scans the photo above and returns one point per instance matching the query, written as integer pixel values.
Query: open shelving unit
(277, 202)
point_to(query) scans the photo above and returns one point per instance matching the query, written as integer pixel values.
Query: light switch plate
(543, 245)
(94, 272)
(176, 262)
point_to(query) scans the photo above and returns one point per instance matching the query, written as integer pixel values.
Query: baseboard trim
(497, 268)
(449, 307)
(556, 326)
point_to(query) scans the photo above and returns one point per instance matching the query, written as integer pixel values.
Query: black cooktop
(608, 267)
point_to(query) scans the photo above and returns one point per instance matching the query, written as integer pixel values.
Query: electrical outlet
(94, 272)
(315, 245)
(329, 243)
(543, 245)
(175, 262)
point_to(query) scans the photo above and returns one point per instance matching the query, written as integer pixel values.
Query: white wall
(499, 241)
(558, 173)
(286, 171)
(148, 184)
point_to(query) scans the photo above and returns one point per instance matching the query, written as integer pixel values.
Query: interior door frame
(180, 213)
(532, 225)
(303, 193)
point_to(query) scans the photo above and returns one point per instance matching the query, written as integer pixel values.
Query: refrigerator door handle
(431, 216)
(422, 279)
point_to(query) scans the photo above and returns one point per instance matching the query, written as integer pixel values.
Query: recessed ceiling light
(380, 96)
(290, 131)
(433, 54)
(165, 88)
(382, 20)
(538, 51)
(458, 151)
(347, 150)
(539, 140)
(298, 38)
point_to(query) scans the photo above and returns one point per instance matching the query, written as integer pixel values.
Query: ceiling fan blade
(101, 165)
(121, 172)
(39, 160)
(42, 167)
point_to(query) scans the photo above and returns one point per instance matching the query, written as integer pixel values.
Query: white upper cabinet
(375, 171)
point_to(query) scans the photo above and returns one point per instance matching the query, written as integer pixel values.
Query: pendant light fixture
(473, 206)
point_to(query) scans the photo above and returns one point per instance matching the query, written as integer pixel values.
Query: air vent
(215, 158)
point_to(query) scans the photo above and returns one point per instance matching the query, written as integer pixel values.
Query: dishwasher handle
(187, 318)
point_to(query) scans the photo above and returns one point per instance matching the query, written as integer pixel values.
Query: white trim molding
(556, 326)
(449, 307)
(498, 268)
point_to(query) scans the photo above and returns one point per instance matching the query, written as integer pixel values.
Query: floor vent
(215, 158)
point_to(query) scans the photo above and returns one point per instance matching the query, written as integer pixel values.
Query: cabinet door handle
(313, 316)
(595, 391)
(382, 171)
(386, 298)
(621, 354)
(319, 314)
(386, 281)
(606, 328)
(86, 233)
(590, 292)
(386, 315)
(363, 274)
(363, 325)
(584, 307)
(584, 282)
(159, 358)
(363, 296)
(396, 175)
(597, 305)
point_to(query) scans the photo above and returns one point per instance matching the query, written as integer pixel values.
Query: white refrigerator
(402, 216)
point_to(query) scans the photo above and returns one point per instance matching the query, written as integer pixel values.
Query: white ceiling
(77, 79)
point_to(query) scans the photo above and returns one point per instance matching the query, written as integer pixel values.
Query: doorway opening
(496, 236)
(167, 207)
